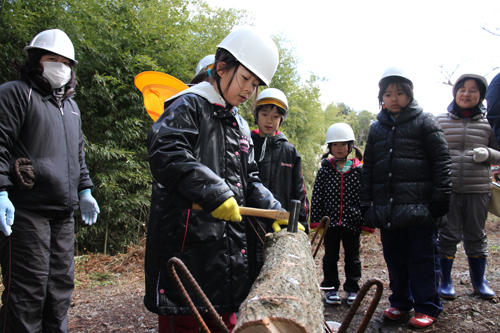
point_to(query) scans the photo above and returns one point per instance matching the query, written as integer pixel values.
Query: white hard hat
(339, 132)
(254, 50)
(464, 77)
(206, 63)
(272, 96)
(55, 41)
(394, 71)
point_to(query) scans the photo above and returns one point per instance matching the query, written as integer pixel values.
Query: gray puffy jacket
(463, 135)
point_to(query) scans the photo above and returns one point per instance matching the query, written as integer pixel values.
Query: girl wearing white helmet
(474, 149)
(336, 195)
(43, 179)
(405, 191)
(200, 151)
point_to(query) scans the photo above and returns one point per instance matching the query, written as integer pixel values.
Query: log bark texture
(285, 297)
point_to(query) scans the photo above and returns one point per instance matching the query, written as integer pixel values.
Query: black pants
(38, 270)
(412, 258)
(352, 264)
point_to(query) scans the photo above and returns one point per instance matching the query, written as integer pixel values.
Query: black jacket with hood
(200, 152)
(35, 126)
(281, 171)
(406, 167)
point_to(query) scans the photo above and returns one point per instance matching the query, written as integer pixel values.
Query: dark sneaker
(351, 297)
(332, 298)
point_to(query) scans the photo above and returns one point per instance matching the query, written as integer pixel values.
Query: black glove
(439, 208)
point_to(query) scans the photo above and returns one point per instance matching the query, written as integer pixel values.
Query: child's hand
(228, 211)
(278, 223)
(479, 154)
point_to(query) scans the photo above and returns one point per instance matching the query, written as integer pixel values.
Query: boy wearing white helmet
(336, 195)
(280, 164)
(405, 192)
(200, 151)
(43, 179)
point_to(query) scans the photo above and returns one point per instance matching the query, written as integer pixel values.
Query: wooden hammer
(268, 213)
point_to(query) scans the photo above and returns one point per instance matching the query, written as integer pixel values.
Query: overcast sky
(351, 43)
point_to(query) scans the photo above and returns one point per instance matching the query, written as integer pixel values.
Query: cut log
(285, 297)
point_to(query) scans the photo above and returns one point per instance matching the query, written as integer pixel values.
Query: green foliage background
(114, 41)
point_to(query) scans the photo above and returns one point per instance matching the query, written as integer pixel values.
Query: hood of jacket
(203, 89)
(454, 109)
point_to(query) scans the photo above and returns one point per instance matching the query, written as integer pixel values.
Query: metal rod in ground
(294, 216)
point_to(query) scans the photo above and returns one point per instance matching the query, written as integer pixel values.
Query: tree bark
(285, 297)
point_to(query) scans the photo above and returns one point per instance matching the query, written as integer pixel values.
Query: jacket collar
(409, 112)
(205, 90)
(46, 93)
(280, 136)
(480, 110)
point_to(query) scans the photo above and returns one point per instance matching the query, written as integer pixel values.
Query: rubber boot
(477, 266)
(447, 290)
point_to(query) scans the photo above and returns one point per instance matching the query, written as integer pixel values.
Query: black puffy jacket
(406, 167)
(281, 171)
(200, 152)
(34, 126)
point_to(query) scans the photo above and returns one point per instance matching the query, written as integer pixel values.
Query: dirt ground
(109, 292)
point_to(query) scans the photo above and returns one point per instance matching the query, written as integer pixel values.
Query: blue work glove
(88, 207)
(278, 223)
(228, 211)
(6, 213)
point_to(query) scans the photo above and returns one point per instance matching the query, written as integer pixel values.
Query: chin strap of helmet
(217, 79)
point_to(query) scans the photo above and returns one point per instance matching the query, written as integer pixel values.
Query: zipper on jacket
(67, 154)
(341, 196)
(462, 157)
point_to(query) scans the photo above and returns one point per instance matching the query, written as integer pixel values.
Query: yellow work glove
(278, 223)
(228, 211)
(366, 231)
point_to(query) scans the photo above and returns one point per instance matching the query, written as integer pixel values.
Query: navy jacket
(281, 171)
(34, 126)
(493, 100)
(406, 167)
(200, 152)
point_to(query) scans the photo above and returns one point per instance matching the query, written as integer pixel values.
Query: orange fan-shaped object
(156, 87)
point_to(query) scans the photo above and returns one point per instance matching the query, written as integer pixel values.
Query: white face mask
(57, 73)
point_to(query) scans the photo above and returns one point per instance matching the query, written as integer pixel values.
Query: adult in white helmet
(201, 152)
(473, 149)
(405, 192)
(43, 179)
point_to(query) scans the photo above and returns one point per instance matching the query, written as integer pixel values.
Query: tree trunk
(285, 297)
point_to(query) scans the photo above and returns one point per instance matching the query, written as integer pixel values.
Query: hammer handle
(247, 211)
